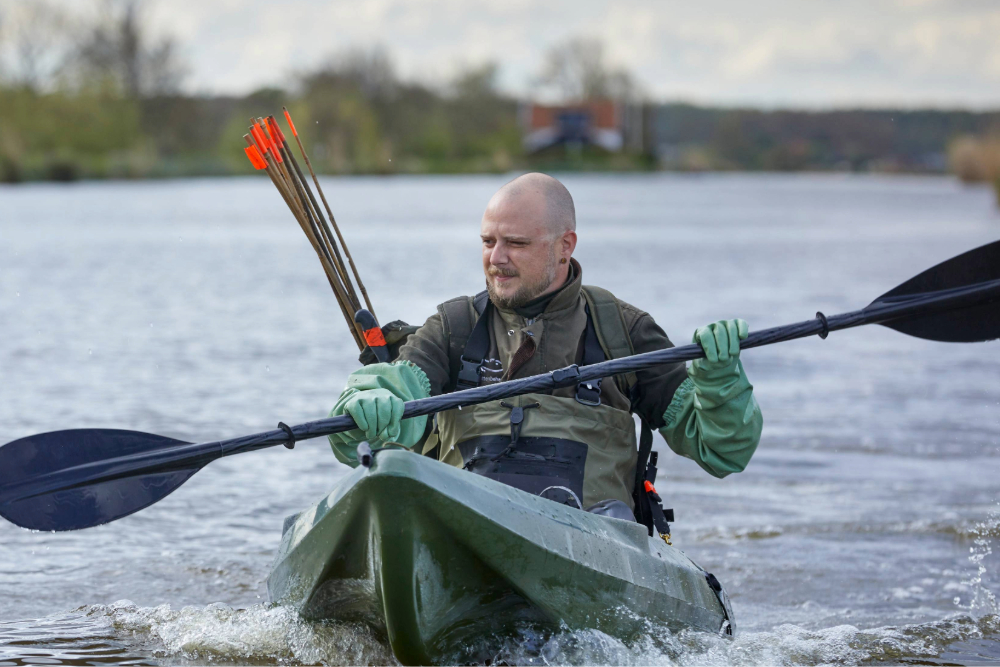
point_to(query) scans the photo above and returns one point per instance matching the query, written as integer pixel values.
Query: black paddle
(68, 480)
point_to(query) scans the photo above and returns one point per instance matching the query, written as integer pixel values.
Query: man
(535, 317)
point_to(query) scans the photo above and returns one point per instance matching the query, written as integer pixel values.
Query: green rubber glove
(374, 397)
(714, 418)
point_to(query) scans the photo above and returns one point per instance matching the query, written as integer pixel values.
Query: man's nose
(498, 256)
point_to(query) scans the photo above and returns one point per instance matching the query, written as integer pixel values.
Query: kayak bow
(445, 562)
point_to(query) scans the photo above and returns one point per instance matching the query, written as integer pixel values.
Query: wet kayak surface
(863, 531)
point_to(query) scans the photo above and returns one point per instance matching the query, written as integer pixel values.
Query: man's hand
(375, 398)
(721, 342)
(377, 412)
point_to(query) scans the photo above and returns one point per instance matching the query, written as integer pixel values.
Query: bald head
(545, 196)
(529, 234)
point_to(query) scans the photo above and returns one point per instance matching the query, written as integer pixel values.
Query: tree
(37, 34)
(578, 71)
(119, 50)
(476, 82)
(370, 71)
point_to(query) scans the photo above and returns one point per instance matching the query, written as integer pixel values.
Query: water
(864, 530)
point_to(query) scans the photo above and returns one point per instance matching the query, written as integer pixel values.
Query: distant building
(610, 125)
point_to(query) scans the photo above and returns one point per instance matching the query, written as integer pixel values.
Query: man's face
(520, 254)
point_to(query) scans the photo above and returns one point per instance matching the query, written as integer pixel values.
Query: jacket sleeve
(655, 387)
(428, 349)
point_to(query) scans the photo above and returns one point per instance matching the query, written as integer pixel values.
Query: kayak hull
(444, 562)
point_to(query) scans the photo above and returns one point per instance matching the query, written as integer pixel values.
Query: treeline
(96, 95)
(698, 138)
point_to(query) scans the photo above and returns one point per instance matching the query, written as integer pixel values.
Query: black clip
(468, 375)
(562, 376)
(589, 393)
(516, 419)
(826, 325)
(291, 434)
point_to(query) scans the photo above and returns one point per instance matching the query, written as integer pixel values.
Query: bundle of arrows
(269, 150)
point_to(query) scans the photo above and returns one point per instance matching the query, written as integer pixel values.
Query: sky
(767, 53)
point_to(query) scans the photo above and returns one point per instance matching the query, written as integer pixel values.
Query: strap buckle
(589, 393)
(468, 375)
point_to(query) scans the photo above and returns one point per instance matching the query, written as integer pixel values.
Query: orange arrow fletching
(270, 142)
(256, 160)
(258, 136)
(275, 130)
(288, 117)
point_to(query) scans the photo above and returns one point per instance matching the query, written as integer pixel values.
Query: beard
(527, 291)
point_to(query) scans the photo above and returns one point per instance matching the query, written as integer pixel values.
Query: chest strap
(478, 345)
(471, 361)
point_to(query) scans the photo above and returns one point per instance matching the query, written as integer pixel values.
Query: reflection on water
(862, 532)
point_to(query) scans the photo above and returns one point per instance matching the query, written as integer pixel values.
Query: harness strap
(649, 509)
(589, 393)
(459, 317)
(612, 334)
(478, 346)
(645, 447)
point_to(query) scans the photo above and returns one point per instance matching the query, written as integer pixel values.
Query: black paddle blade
(67, 480)
(964, 324)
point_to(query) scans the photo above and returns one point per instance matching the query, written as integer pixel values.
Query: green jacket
(720, 437)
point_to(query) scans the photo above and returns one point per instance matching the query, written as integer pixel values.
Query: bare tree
(118, 49)
(371, 71)
(476, 82)
(578, 71)
(38, 36)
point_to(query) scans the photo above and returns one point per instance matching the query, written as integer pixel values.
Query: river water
(864, 530)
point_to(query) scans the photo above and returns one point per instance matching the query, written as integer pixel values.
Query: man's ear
(567, 244)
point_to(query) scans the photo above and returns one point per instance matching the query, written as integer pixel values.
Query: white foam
(219, 633)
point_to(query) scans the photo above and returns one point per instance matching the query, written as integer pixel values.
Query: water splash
(984, 601)
(220, 634)
(785, 645)
(217, 634)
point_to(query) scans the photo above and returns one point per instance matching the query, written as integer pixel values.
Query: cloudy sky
(803, 53)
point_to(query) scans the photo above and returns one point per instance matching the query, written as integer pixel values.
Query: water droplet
(267, 369)
(19, 294)
(90, 351)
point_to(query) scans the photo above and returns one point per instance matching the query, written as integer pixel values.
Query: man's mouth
(502, 278)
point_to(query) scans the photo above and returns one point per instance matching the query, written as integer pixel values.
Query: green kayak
(444, 561)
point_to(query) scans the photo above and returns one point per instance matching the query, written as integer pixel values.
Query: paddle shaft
(876, 313)
(44, 487)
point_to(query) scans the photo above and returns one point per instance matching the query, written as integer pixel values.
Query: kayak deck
(438, 558)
